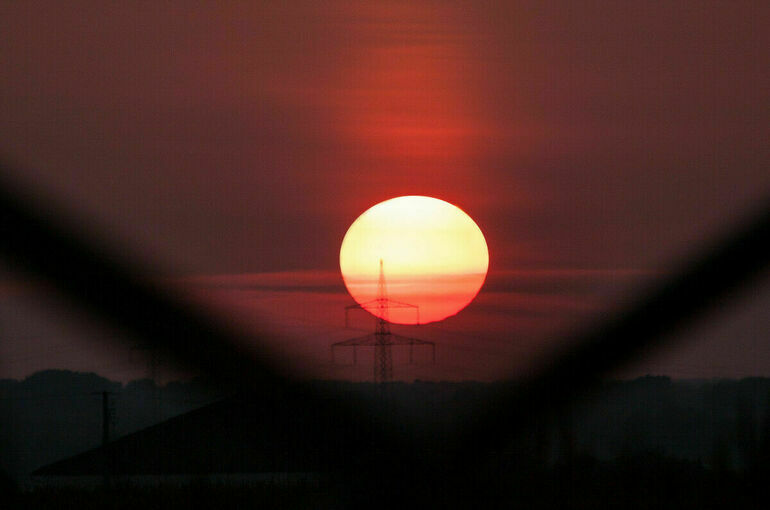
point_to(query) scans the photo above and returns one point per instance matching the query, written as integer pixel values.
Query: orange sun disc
(433, 255)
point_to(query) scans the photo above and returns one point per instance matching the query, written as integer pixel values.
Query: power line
(383, 339)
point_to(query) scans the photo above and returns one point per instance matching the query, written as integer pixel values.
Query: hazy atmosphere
(369, 254)
(230, 147)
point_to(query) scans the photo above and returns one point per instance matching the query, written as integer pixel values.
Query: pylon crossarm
(405, 340)
(361, 340)
(400, 304)
(365, 303)
(355, 307)
(369, 305)
(392, 303)
(391, 339)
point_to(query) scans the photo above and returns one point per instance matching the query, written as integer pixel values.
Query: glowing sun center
(433, 256)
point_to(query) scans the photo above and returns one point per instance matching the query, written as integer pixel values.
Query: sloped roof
(236, 435)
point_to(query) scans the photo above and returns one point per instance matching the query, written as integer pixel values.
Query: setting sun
(434, 257)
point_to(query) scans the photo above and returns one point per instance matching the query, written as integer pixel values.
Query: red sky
(589, 142)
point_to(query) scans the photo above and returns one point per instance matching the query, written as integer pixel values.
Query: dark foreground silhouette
(646, 443)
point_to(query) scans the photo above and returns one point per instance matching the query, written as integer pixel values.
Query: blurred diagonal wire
(108, 286)
(698, 288)
(119, 292)
(44, 245)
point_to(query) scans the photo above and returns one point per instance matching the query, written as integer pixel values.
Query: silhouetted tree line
(651, 440)
(57, 413)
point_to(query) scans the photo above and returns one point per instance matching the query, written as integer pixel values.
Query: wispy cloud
(528, 281)
(282, 281)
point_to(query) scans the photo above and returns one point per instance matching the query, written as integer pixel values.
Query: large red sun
(433, 255)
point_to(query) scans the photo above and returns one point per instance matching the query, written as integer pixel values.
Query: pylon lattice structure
(383, 339)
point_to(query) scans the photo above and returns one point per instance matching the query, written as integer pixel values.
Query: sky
(229, 147)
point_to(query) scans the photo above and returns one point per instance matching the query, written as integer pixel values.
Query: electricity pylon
(382, 339)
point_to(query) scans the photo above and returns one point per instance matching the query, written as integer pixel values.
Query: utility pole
(107, 422)
(105, 418)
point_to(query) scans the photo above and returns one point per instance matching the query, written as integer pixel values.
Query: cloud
(279, 281)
